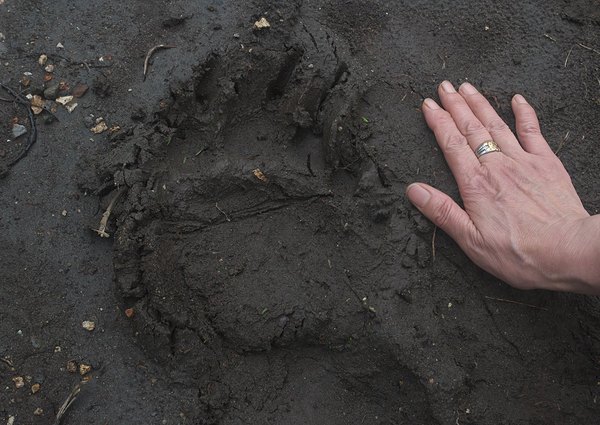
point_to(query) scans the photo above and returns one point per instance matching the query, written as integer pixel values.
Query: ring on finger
(486, 147)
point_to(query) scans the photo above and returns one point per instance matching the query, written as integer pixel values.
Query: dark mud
(278, 274)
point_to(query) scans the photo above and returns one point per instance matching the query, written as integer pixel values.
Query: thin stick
(101, 230)
(7, 361)
(568, 54)
(550, 37)
(68, 402)
(589, 48)
(150, 53)
(516, 302)
(222, 212)
(33, 132)
(562, 143)
(443, 61)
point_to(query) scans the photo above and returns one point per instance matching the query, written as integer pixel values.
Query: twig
(222, 212)
(433, 243)
(363, 300)
(562, 143)
(101, 230)
(150, 53)
(68, 402)
(550, 37)
(7, 361)
(33, 133)
(589, 48)
(568, 54)
(443, 61)
(515, 302)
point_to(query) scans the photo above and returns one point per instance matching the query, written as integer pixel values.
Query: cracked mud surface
(276, 271)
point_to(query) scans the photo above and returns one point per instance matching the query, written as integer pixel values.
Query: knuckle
(455, 142)
(473, 127)
(497, 125)
(529, 128)
(443, 213)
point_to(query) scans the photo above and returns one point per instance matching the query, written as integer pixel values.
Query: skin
(522, 219)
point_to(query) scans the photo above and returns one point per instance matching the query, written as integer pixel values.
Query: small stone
(236, 35)
(49, 68)
(60, 46)
(51, 92)
(101, 127)
(19, 381)
(262, 24)
(38, 412)
(18, 130)
(64, 214)
(71, 366)
(42, 60)
(129, 312)
(87, 325)
(79, 90)
(84, 369)
(71, 106)
(35, 388)
(37, 104)
(11, 420)
(260, 175)
(63, 100)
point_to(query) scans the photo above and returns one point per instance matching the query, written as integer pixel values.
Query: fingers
(528, 127)
(444, 213)
(476, 118)
(459, 155)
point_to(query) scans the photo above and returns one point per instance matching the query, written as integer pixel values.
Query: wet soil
(260, 235)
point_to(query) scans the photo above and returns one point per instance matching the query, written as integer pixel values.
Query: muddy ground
(271, 269)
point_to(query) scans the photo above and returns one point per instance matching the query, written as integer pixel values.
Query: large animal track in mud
(273, 264)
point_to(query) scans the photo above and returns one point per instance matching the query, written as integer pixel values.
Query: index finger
(454, 145)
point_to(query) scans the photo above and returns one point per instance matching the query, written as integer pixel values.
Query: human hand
(522, 219)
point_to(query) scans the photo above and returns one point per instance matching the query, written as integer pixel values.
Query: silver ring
(486, 147)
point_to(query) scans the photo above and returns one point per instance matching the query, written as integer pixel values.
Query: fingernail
(418, 195)
(519, 99)
(431, 104)
(468, 88)
(448, 87)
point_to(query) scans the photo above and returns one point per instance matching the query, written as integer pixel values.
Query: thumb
(443, 212)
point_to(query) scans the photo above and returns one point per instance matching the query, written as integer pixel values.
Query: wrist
(577, 260)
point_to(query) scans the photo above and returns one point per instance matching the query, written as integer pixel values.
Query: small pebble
(87, 325)
(42, 60)
(71, 366)
(35, 388)
(84, 369)
(129, 312)
(49, 68)
(236, 35)
(18, 130)
(19, 381)
(64, 213)
(38, 412)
